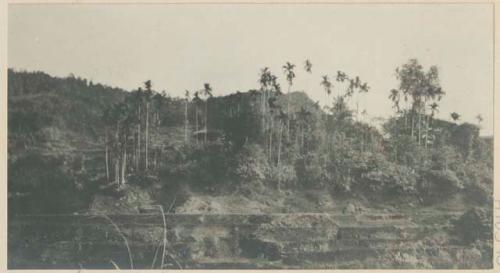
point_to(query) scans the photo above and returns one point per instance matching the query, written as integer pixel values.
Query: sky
(181, 46)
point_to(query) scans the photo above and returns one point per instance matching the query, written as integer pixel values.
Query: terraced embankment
(306, 240)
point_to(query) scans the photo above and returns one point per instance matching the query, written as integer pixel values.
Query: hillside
(256, 179)
(62, 124)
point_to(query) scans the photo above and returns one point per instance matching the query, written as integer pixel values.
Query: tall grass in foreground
(162, 243)
(131, 260)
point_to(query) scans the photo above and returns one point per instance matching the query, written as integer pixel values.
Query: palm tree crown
(308, 66)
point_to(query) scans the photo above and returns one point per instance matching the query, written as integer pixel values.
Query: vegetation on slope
(71, 140)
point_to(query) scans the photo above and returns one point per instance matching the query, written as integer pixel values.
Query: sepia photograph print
(163, 136)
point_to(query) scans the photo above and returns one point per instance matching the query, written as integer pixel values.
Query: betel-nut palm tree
(272, 106)
(327, 85)
(434, 107)
(281, 119)
(196, 101)
(264, 81)
(107, 120)
(138, 98)
(455, 116)
(308, 66)
(207, 91)
(479, 118)
(290, 75)
(147, 96)
(395, 97)
(186, 121)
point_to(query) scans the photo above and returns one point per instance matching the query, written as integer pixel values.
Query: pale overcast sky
(181, 47)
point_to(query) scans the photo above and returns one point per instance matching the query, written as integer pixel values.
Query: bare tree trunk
(139, 140)
(186, 122)
(124, 162)
(357, 110)
(156, 158)
(288, 111)
(265, 110)
(206, 120)
(406, 119)
(412, 124)
(426, 131)
(147, 133)
(117, 169)
(302, 138)
(117, 152)
(196, 117)
(279, 156)
(280, 140)
(297, 143)
(262, 105)
(271, 141)
(107, 157)
(419, 123)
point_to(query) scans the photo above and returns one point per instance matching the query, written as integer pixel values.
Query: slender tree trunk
(288, 111)
(266, 110)
(426, 131)
(431, 119)
(124, 163)
(279, 156)
(262, 105)
(412, 124)
(139, 140)
(107, 157)
(136, 149)
(297, 138)
(206, 120)
(156, 158)
(271, 141)
(357, 110)
(419, 123)
(302, 139)
(196, 118)
(280, 136)
(147, 133)
(117, 169)
(117, 153)
(406, 119)
(186, 122)
(396, 154)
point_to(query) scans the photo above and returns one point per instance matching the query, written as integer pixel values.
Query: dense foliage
(261, 137)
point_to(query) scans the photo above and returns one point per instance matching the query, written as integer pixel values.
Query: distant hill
(58, 115)
(46, 112)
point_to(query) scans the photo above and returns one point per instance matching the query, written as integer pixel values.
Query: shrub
(249, 164)
(198, 166)
(475, 224)
(390, 178)
(311, 172)
(284, 175)
(435, 183)
(43, 184)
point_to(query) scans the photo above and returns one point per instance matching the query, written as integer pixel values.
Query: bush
(390, 178)
(249, 164)
(311, 172)
(45, 184)
(478, 180)
(198, 166)
(475, 224)
(282, 176)
(435, 183)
